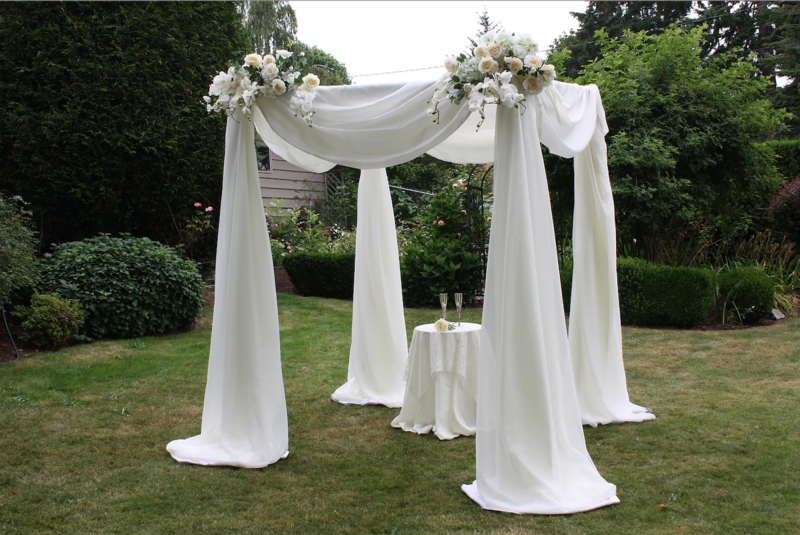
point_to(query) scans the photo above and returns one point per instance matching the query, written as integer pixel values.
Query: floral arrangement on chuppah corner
(271, 75)
(491, 74)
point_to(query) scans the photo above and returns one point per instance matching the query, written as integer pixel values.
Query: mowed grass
(83, 434)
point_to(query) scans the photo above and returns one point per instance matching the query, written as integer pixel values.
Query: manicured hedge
(657, 295)
(788, 152)
(747, 292)
(322, 274)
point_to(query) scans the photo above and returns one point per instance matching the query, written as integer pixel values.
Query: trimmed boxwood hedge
(657, 295)
(747, 292)
(322, 274)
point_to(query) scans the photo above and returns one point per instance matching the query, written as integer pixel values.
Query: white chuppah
(536, 385)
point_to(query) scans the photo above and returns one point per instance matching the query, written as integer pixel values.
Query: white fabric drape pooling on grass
(378, 349)
(244, 411)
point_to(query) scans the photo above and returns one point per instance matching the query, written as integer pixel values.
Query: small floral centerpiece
(442, 325)
(493, 73)
(271, 75)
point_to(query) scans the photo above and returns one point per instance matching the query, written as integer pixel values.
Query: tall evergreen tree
(269, 23)
(614, 18)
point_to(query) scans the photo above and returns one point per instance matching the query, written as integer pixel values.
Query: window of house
(264, 158)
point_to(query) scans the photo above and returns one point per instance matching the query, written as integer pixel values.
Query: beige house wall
(285, 181)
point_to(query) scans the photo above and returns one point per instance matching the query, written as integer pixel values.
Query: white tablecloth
(441, 382)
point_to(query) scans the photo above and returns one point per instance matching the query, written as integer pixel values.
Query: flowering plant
(271, 75)
(494, 72)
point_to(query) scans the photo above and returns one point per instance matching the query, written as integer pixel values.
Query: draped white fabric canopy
(536, 384)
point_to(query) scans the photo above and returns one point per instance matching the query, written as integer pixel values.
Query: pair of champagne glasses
(459, 298)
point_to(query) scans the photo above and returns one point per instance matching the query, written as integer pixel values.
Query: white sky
(378, 36)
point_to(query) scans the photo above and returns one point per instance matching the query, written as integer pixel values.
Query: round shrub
(322, 274)
(128, 287)
(50, 320)
(748, 293)
(439, 265)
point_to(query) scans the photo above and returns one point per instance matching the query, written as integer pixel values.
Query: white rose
(269, 58)
(494, 50)
(310, 82)
(549, 72)
(283, 54)
(533, 85)
(451, 64)
(441, 325)
(253, 60)
(278, 86)
(514, 64)
(533, 61)
(270, 71)
(481, 52)
(487, 64)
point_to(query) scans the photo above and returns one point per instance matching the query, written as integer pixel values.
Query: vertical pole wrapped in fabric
(378, 350)
(244, 413)
(595, 332)
(531, 455)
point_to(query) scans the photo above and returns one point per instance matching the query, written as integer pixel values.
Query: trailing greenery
(17, 247)
(748, 294)
(128, 287)
(103, 127)
(788, 157)
(322, 274)
(50, 321)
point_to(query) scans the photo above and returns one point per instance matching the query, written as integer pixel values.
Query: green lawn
(83, 435)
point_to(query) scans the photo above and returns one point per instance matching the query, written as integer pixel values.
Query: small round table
(441, 382)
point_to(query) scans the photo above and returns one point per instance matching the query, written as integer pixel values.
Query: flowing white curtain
(244, 412)
(378, 350)
(531, 455)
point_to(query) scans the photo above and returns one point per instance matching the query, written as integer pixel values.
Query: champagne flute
(443, 302)
(459, 298)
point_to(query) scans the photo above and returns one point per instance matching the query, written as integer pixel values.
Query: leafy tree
(782, 53)
(486, 25)
(683, 157)
(325, 66)
(103, 127)
(269, 24)
(614, 18)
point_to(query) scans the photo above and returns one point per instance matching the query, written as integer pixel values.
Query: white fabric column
(378, 350)
(244, 413)
(531, 455)
(595, 333)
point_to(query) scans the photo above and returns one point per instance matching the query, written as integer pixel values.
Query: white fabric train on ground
(378, 350)
(244, 412)
(531, 455)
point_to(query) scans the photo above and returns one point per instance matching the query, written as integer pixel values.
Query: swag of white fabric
(536, 384)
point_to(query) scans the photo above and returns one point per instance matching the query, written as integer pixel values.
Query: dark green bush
(17, 246)
(50, 321)
(676, 296)
(747, 293)
(788, 152)
(103, 127)
(657, 295)
(128, 287)
(322, 274)
(439, 265)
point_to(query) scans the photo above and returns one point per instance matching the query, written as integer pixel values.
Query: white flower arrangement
(271, 75)
(442, 325)
(502, 65)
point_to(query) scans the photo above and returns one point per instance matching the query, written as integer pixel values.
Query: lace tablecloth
(441, 382)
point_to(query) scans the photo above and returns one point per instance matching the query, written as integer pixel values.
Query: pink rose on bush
(197, 205)
(441, 223)
(210, 209)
